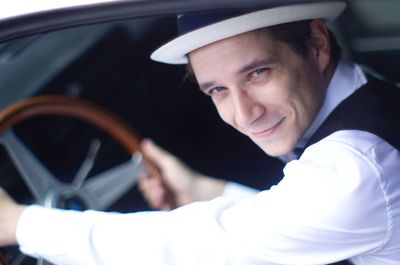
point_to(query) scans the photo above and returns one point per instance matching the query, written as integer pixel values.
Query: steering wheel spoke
(108, 186)
(37, 177)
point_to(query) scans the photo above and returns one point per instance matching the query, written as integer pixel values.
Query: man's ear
(320, 47)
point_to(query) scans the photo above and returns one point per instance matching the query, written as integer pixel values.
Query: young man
(338, 200)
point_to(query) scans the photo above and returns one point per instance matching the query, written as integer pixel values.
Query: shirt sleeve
(238, 191)
(324, 210)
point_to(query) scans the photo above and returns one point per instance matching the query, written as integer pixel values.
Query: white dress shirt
(339, 200)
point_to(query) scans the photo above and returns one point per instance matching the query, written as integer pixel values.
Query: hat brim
(175, 51)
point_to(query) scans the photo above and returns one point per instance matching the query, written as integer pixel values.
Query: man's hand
(186, 184)
(10, 212)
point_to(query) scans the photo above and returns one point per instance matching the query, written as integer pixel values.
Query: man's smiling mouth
(269, 131)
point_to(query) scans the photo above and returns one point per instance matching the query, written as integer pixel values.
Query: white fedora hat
(198, 30)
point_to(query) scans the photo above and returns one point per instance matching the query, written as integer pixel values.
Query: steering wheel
(100, 191)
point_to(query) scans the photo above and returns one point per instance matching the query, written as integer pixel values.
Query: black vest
(374, 108)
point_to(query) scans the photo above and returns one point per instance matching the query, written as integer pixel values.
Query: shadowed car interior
(108, 64)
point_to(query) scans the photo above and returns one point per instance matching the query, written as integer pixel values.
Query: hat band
(190, 22)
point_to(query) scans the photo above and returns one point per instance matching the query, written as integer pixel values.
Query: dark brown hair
(297, 34)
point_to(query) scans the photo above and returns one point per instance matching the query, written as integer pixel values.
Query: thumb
(154, 152)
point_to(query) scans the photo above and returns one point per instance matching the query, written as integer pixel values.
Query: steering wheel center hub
(70, 201)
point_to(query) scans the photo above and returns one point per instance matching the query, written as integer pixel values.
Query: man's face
(261, 87)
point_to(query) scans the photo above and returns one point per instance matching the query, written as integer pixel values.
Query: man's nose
(247, 108)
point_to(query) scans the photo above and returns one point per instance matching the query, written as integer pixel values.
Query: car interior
(107, 64)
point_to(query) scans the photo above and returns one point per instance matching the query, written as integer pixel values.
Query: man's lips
(268, 132)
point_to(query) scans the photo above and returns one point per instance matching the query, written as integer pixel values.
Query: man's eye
(258, 72)
(215, 90)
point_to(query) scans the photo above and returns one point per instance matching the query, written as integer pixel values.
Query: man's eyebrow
(246, 68)
(204, 86)
(254, 65)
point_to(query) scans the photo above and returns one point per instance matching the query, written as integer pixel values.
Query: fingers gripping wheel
(96, 194)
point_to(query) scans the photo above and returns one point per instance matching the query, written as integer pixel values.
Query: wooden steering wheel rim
(81, 110)
(72, 107)
(88, 112)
